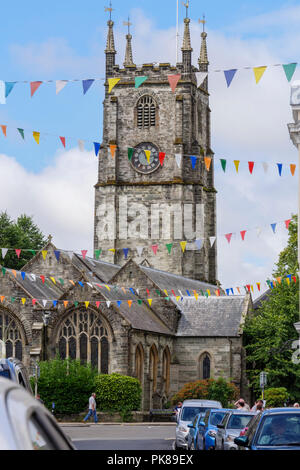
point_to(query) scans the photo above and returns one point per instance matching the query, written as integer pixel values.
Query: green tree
(269, 334)
(21, 234)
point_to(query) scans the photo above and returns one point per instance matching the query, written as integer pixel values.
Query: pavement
(72, 424)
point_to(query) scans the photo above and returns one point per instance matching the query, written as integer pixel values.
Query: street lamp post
(294, 130)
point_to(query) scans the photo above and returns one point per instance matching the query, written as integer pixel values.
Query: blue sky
(66, 40)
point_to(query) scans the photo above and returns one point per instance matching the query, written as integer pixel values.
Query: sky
(66, 40)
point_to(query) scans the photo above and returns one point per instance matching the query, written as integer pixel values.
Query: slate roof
(258, 302)
(212, 316)
(104, 271)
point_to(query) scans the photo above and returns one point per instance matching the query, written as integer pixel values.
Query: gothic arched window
(84, 336)
(153, 366)
(139, 363)
(10, 334)
(166, 369)
(205, 366)
(146, 112)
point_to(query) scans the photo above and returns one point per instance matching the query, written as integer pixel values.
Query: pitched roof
(104, 271)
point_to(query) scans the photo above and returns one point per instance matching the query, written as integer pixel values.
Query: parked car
(272, 429)
(230, 427)
(193, 428)
(205, 438)
(189, 409)
(15, 370)
(25, 424)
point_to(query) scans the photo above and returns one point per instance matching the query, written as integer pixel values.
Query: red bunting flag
(228, 237)
(243, 233)
(251, 166)
(97, 303)
(84, 252)
(217, 292)
(34, 86)
(154, 248)
(43, 279)
(63, 141)
(248, 287)
(148, 292)
(33, 301)
(258, 285)
(287, 223)
(18, 252)
(294, 279)
(161, 157)
(173, 80)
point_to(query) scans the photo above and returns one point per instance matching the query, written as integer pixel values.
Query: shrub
(276, 397)
(116, 392)
(209, 389)
(67, 383)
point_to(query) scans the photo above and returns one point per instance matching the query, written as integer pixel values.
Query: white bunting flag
(201, 76)
(198, 243)
(60, 84)
(70, 254)
(81, 145)
(212, 241)
(4, 251)
(33, 277)
(258, 231)
(108, 303)
(139, 249)
(90, 285)
(44, 303)
(178, 158)
(265, 166)
(2, 92)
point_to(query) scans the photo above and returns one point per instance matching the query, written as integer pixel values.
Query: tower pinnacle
(128, 54)
(203, 58)
(110, 50)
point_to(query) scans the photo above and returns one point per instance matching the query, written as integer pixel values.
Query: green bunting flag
(98, 253)
(139, 81)
(76, 304)
(289, 70)
(140, 302)
(223, 163)
(169, 247)
(130, 153)
(3, 271)
(21, 131)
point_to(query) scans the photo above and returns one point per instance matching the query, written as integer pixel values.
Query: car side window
(252, 427)
(206, 418)
(195, 421)
(38, 436)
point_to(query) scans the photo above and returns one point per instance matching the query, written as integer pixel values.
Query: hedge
(116, 392)
(276, 397)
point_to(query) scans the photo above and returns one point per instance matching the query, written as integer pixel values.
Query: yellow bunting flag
(183, 245)
(208, 291)
(66, 303)
(251, 288)
(292, 168)
(129, 302)
(112, 83)
(36, 136)
(207, 161)
(86, 304)
(112, 249)
(196, 295)
(177, 298)
(150, 302)
(44, 253)
(288, 281)
(258, 72)
(53, 280)
(236, 164)
(148, 155)
(23, 300)
(166, 292)
(112, 150)
(107, 287)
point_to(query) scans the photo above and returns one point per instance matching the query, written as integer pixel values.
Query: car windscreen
(238, 421)
(216, 418)
(189, 412)
(5, 373)
(279, 429)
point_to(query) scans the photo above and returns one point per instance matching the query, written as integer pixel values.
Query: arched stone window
(153, 365)
(166, 369)
(146, 112)
(10, 334)
(84, 336)
(139, 363)
(205, 366)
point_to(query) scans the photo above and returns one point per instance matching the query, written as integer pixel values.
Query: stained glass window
(10, 333)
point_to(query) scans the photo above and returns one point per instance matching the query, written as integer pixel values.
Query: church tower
(147, 203)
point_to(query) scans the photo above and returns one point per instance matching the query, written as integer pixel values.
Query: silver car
(25, 424)
(230, 427)
(189, 409)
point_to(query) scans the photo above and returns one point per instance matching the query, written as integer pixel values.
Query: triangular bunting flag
(183, 245)
(243, 233)
(258, 72)
(169, 247)
(139, 81)
(96, 148)
(63, 141)
(97, 303)
(130, 153)
(193, 161)
(287, 223)
(60, 84)
(86, 85)
(265, 166)
(125, 251)
(86, 303)
(173, 81)
(34, 86)
(4, 130)
(44, 302)
(44, 254)
(81, 145)
(198, 243)
(279, 168)
(139, 249)
(228, 237)
(8, 88)
(212, 241)
(108, 302)
(119, 302)
(258, 285)
(98, 253)
(23, 275)
(4, 252)
(289, 70)
(292, 168)
(154, 248)
(36, 136)
(229, 74)
(223, 164)
(274, 227)
(129, 303)
(33, 301)
(84, 252)
(21, 131)
(178, 158)
(112, 83)
(18, 252)
(148, 155)
(112, 149)
(150, 302)
(57, 254)
(251, 166)
(161, 157)
(23, 300)
(42, 278)
(200, 76)
(207, 161)
(66, 303)
(236, 164)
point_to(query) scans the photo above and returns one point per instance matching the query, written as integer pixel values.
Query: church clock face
(145, 162)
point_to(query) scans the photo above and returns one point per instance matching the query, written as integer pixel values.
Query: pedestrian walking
(242, 405)
(38, 398)
(92, 409)
(296, 405)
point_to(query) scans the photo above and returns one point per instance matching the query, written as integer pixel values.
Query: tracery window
(83, 336)
(10, 334)
(146, 112)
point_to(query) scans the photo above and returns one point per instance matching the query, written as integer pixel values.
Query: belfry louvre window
(146, 112)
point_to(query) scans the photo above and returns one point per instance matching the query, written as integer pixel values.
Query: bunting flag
(18, 252)
(289, 70)
(36, 136)
(57, 254)
(150, 302)
(86, 85)
(212, 241)
(258, 72)
(198, 243)
(207, 161)
(4, 252)
(243, 233)
(265, 166)
(98, 253)
(178, 158)
(34, 86)
(63, 141)
(154, 248)
(223, 164)
(273, 227)
(130, 153)
(173, 81)
(21, 132)
(279, 168)
(161, 157)
(129, 303)
(9, 87)
(200, 77)
(251, 166)
(44, 254)
(2, 92)
(84, 253)
(81, 145)
(183, 246)
(4, 130)
(113, 148)
(229, 74)
(193, 161)
(236, 164)
(96, 148)
(287, 223)
(292, 168)
(148, 155)
(60, 84)
(125, 251)
(112, 82)
(228, 237)
(169, 247)
(139, 81)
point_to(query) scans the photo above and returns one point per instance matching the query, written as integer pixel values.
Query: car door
(221, 432)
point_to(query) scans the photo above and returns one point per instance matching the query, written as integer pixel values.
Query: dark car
(15, 370)
(272, 429)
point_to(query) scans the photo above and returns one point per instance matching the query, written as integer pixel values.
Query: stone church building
(135, 310)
